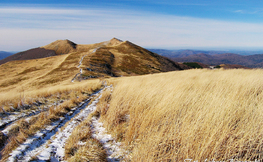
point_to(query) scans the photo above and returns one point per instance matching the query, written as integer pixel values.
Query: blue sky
(178, 24)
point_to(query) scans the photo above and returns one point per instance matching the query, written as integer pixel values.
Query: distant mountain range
(213, 57)
(187, 52)
(4, 54)
(183, 53)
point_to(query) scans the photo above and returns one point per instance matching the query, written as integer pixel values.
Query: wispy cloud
(23, 28)
(42, 11)
(169, 2)
(256, 11)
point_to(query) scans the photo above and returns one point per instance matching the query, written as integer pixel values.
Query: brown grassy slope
(113, 58)
(34, 53)
(18, 77)
(62, 46)
(20, 74)
(64, 72)
(145, 61)
(125, 58)
(196, 114)
(31, 74)
(67, 46)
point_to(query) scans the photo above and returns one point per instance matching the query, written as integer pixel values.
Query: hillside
(111, 101)
(64, 61)
(29, 54)
(44, 83)
(115, 58)
(193, 114)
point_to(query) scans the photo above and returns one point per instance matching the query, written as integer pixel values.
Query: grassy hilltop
(156, 113)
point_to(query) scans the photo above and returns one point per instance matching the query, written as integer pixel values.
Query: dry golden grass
(19, 75)
(74, 94)
(28, 75)
(28, 96)
(103, 105)
(92, 152)
(82, 147)
(114, 58)
(61, 47)
(196, 114)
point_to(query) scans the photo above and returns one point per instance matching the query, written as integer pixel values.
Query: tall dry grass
(81, 146)
(193, 114)
(73, 95)
(14, 99)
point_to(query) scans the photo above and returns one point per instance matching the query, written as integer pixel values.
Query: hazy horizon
(240, 51)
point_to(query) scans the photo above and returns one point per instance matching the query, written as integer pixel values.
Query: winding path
(80, 63)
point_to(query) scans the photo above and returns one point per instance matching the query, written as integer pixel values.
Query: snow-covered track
(80, 63)
(12, 118)
(55, 149)
(114, 151)
(49, 143)
(35, 144)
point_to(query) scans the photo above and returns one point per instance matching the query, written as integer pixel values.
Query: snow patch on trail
(80, 70)
(49, 143)
(114, 151)
(15, 116)
(56, 149)
(37, 143)
(9, 118)
(80, 63)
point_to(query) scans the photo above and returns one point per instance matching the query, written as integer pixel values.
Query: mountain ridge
(213, 57)
(252, 61)
(64, 61)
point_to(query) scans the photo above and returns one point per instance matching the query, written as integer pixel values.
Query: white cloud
(251, 12)
(31, 10)
(32, 27)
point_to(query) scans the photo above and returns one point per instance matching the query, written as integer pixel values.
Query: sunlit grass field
(193, 114)
(71, 95)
